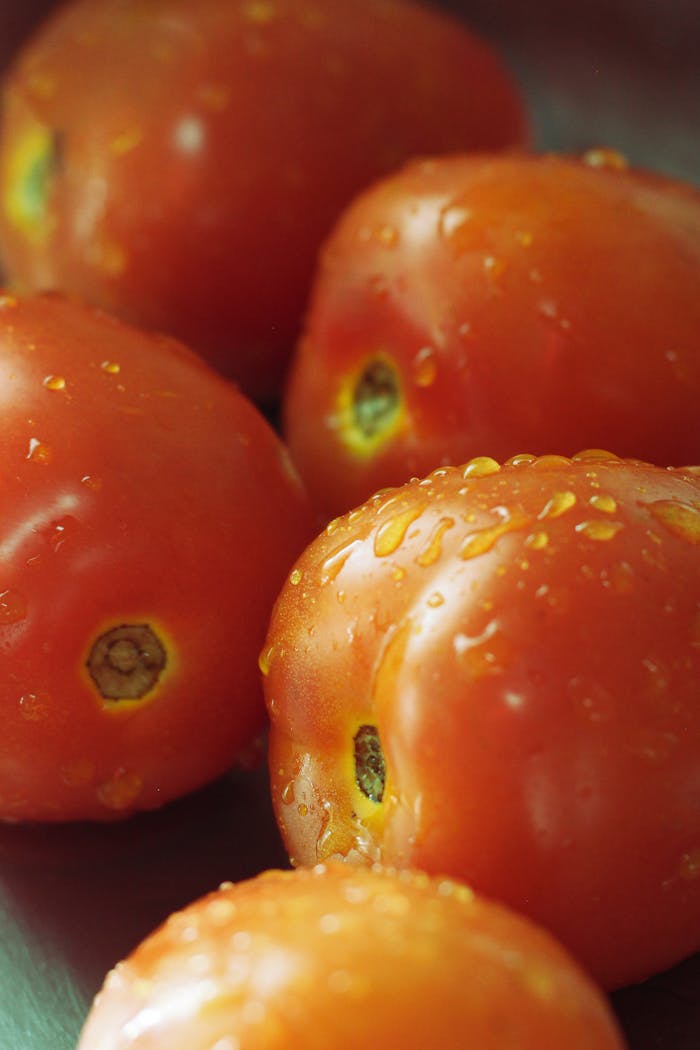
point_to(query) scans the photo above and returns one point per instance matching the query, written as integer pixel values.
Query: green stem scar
(376, 398)
(33, 166)
(370, 772)
(125, 662)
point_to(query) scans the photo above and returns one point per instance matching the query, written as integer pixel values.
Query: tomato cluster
(480, 679)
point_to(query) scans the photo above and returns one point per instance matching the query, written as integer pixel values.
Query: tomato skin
(204, 149)
(139, 489)
(526, 641)
(348, 958)
(537, 302)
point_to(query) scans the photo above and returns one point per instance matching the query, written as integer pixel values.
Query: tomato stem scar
(125, 662)
(375, 397)
(370, 772)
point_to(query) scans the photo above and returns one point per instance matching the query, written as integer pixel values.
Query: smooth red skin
(579, 289)
(166, 499)
(348, 958)
(553, 765)
(302, 104)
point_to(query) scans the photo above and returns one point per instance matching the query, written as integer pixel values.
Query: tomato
(481, 305)
(494, 673)
(178, 163)
(140, 552)
(342, 958)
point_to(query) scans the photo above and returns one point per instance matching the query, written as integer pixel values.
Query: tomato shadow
(75, 899)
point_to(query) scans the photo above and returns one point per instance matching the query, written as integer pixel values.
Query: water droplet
(521, 459)
(189, 134)
(483, 540)
(121, 791)
(591, 699)
(523, 237)
(54, 382)
(288, 793)
(453, 219)
(35, 706)
(599, 530)
(435, 600)
(111, 367)
(604, 157)
(653, 746)
(303, 809)
(387, 235)
(265, 659)
(424, 367)
(537, 541)
(39, 452)
(335, 561)
(604, 503)
(91, 481)
(595, 454)
(390, 534)
(689, 867)
(557, 505)
(13, 607)
(621, 577)
(295, 577)
(495, 267)
(681, 519)
(126, 141)
(480, 467)
(482, 654)
(433, 549)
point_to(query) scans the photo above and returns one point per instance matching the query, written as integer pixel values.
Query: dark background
(73, 900)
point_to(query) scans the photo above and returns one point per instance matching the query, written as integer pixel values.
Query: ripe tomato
(495, 673)
(472, 306)
(178, 162)
(140, 552)
(348, 958)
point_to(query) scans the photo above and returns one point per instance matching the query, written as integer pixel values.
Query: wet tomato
(348, 958)
(495, 673)
(148, 517)
(178, 162)
(479, 306)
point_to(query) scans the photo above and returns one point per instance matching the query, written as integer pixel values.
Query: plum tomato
(148, 517)
(494, 673)
(481, 305)
(178, 162)
(347, 958)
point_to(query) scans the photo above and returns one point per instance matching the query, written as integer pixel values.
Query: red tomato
(495, 673)
(178, 162)
(333, 957)
(472, 306)
(140, 552)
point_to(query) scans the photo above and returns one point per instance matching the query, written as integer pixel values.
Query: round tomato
(179, 162)
(140, 552)
(482, 305)
(495, 673)
(342, 958)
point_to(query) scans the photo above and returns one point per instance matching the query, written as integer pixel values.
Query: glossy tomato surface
(148, 517)
(179, 162)
(335, 957)
(482, 305)
(495, 673)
